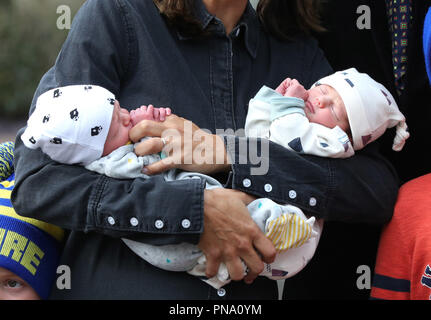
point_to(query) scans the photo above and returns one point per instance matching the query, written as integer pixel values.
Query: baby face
(118, 134)
(123, 120)
(13, 287)
(325, 106)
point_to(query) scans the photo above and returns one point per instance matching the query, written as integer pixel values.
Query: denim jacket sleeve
(97, 51)
(359, 189)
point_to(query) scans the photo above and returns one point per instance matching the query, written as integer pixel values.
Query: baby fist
(296, 90)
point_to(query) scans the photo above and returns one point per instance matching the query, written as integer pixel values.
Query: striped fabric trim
(7, 184)
(5, 203)
(5, 193)
(389, 283)
(6, 209)
(6, 159)
(288, 231)
(382, 294)
(54, 231)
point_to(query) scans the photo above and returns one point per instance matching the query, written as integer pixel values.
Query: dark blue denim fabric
(126, 47)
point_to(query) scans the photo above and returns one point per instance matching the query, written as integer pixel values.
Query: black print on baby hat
(349, 82)
(46, 118)
(386, 96)
(86, 88)
(111, 101)
(57, 93)
(56, 141)
(74, 114)
(32, 140)
(96, 130)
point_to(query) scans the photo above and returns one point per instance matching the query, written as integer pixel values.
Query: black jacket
(369, 50)
(126, 47)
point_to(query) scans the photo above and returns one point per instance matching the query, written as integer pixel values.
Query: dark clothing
(126, 47)
(370, 52)
(343, 248)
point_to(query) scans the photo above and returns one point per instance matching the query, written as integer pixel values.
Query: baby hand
(295, 89)
(149, 113)
(281, 89)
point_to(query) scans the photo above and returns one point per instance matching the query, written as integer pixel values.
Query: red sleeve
(403, 266)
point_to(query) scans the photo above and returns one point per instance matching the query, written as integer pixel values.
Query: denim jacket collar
(249, 22)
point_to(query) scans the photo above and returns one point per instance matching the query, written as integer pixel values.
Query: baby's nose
(322, 102)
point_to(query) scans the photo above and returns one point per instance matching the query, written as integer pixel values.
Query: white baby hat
(370, 107)
(70, 124)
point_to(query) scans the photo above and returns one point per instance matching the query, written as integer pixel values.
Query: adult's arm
(97, 51)
(360, 189)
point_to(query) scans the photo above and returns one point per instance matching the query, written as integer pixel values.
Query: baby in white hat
(79, 124)
(340, 113)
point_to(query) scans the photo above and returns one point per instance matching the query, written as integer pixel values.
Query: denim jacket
(127, 47)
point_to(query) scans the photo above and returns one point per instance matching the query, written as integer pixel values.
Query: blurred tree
(29, 44)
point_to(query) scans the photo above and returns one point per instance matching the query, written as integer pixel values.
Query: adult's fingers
(149, 146)
(235, 267)
(265, 247)
(254, 266)
(159, 166)
(146, 128)
(212, 265)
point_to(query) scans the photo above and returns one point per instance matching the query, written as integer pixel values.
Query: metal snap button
(186, 223)
(246, 182)
(313, 201)
(159, 224)
(268, 187)
(221, 292)
(134, 222)
(111, 220)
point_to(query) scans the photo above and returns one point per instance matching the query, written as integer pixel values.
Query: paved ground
(9, 128)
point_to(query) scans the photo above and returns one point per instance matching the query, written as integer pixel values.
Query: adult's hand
(231, 236)
(184, 145)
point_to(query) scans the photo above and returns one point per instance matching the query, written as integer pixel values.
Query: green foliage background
(29, 44)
